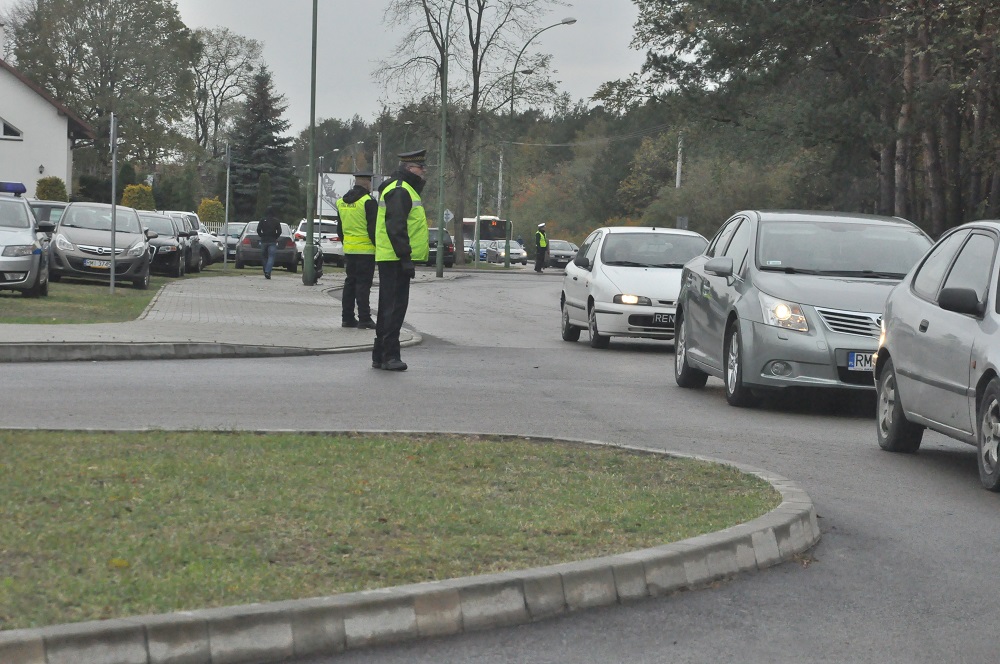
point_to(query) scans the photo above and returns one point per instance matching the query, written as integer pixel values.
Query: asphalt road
(899, 576)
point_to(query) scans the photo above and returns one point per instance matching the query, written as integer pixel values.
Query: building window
(9, 130)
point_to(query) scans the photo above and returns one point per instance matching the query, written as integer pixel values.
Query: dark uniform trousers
(393, 299)
(540, 254)
(360, 269)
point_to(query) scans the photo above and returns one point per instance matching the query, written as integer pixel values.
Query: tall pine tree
(260, 147)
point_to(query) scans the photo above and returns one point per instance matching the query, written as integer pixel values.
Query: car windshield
(45, 212)
(327, 228)
(161, 225)
(13, 214)
(234, 228)
(651, 249)
(99, 219)
(561, 245)
(839, 248)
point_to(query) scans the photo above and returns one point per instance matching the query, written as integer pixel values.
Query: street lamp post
(517, 61)
(445, 42)
(406, 132)
(308, 266)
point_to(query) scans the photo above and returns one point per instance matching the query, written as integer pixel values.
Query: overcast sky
(352, 41)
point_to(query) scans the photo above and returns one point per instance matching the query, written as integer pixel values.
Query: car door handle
(923, 325)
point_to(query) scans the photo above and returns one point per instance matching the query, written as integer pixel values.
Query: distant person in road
(541, 248)
(401, 239)
(269, 231)
(358, 216)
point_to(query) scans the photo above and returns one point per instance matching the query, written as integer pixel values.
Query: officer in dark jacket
(541, 248)
(358, 213)
(401, 239)
(269, 231)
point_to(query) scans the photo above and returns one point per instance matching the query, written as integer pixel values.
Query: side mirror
(961, 301)
(582, 261)
(151, 234)
(720, 267)
(45, 227)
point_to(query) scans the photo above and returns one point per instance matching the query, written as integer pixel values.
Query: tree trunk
(886, 169)
(951, 147)
(993, 209)
(903, 142)
(929, 139)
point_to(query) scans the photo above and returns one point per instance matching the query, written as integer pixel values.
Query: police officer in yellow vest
(541, 247)
(358, 214)
(400, 241)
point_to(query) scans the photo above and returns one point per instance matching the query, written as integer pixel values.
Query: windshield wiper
(872, 274)
(627, 264)
(674, 265)
(789, 269)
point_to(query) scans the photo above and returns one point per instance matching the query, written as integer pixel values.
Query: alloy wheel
(733, 363)
(886, 404)
(990, 427)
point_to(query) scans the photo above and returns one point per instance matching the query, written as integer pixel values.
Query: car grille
(852, 322)
(99, 251)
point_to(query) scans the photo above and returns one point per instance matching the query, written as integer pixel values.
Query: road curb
(254, 633)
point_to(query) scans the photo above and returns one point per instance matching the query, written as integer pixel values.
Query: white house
(36, 131)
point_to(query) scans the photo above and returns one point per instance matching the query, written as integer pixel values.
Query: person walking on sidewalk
(269, 231)
(358, 214)
(541, 247)
(401, 239)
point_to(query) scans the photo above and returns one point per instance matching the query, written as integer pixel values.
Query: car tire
(178, 270)
(142, 281)
(54, 277)
(35, 289)
(895, 433)
(206, 257)
(570, 332)
(293, 267)
(988, 437)
(239, 264)
(737, 393)
(197, 263)
(597, 340)
(684, 374)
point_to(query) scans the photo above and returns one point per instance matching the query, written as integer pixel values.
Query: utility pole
(114, 195)
(225, 227)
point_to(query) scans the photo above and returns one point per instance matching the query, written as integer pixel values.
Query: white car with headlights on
(790, 299)
(624, 282)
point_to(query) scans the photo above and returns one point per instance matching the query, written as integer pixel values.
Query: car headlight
(167, 248)
(632, 299)
(786, 315)
(136, 250)
(881, 336)
(17, 250)
(62, 244)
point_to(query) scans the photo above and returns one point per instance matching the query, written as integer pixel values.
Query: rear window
(651, 249)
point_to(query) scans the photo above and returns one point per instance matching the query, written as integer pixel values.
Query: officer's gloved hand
(408, 269)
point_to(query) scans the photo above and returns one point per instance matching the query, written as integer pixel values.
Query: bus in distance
(490, 228)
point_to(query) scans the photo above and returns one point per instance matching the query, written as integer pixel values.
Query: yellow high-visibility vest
(416, 228)
(354, 226)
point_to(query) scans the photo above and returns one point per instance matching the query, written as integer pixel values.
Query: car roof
(981, 223)
(101, 206)
(42, 201)
(825, 216)
(653, 229)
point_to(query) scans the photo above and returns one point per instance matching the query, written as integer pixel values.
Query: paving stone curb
(273, 631)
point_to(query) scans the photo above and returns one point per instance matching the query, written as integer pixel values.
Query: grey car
(784, 299)
(83, 244)
(24, 262)
(938, 362)
(561, 252)
(248, 248)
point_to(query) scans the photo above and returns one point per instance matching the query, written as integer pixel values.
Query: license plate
(93, 262)
(663, 319)
(860, 361)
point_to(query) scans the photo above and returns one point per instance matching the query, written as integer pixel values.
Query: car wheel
(597, 340)
(206, 257)
(569, 332)
(198, 263)
(988, 437)
(36, 288)
(178, 270)
(293, 267)
(684, 374)
(239, 264)
(895, 432)
(142, 282)
(737, 394)
(54, 277)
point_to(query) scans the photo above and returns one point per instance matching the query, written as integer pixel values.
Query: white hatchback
(624, 282)
(328, 233)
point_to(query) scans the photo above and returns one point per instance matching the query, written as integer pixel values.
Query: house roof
(78, 128)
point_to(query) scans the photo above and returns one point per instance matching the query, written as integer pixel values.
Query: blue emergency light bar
(16, 188)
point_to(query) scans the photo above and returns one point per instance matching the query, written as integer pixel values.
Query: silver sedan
(938, 360)
(785, 299)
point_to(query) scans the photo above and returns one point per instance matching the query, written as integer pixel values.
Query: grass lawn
(100, 525)
(72, 301)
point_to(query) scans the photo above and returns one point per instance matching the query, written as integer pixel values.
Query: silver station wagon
(787, 299)
(938, 360)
